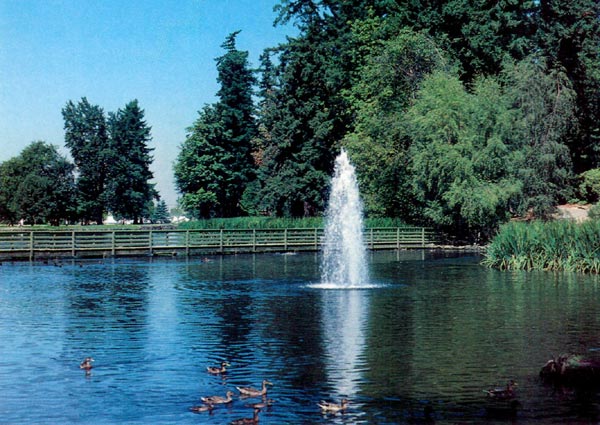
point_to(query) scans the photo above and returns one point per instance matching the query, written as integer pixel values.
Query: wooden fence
(24, 244)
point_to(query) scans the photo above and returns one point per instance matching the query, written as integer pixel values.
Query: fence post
(372, 240)
(397, 238)
(316, 240)
(422, 237)
(187, 243)
(73, 243)
(253, 240)
(112, 244)
(150, 242)
(31, 245)
(221, 243)
(285, 243)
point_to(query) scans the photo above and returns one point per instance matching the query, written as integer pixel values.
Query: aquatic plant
(556, 245)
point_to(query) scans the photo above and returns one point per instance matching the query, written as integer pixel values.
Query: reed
(556, 245)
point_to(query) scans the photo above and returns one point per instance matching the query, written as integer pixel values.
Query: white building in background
(179, 219)
(110, 219)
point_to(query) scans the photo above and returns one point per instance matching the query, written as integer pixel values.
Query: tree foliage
(456, 113)
(128, 188)
(546, 115)
(462, 154)
(112, 159)
(568, 36)
(160, 213)
(308, 115)
(86, 136)
(389, 82)
(215, 163)
(37, 186)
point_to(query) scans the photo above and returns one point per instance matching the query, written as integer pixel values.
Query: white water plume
(344, 262)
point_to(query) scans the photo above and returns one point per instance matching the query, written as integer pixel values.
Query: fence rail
(22, 244)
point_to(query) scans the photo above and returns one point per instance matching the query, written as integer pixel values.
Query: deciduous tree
(86, 137)
(37, 186)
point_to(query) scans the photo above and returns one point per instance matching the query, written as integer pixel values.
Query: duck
(327, 406)
(502, 393)
(86, 364)
(247, 421)
(213, 370)
(202, 408)
(253, 392)
(215, 399)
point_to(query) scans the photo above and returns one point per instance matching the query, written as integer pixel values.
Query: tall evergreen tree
(308, 114)
(87, 138)
(236, 111)
(161, 213)
(215, 163)
(569, 36)
(128, 186)
(545, 101)
(482, 33)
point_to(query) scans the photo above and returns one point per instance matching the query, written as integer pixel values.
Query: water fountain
(344, 264)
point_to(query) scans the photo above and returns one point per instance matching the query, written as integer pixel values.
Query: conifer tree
(161, 213)
(215, 163)
(128, 187)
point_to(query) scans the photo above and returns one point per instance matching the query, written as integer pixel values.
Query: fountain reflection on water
(344, 316)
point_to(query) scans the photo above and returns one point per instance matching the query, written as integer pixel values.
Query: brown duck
(213, 370)
(503, 393)
(253, 392)
(86, 364)
(215, 399)
(327, 406)
(202, 408)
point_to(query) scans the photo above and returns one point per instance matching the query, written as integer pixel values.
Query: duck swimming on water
(327, 406)
(503, 393)
(203, 408)
(215, 399)
(86, 364)
(218, 370)
(253, 392)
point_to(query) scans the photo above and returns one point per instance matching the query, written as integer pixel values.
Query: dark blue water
(436, 332)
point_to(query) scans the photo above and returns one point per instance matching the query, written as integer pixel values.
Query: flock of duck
(209, 402)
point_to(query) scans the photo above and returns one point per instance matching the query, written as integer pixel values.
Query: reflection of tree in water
(228, 305)
(107, 303)
(293, 326)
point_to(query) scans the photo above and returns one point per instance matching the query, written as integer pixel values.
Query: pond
(423, 344)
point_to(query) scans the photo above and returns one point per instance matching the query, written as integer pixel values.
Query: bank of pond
(554, 246)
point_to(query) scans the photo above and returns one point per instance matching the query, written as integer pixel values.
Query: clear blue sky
(113, 51)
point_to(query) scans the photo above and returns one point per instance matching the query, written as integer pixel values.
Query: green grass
(277, 223)
(252, 223)
(557, 245)
(224, 223)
